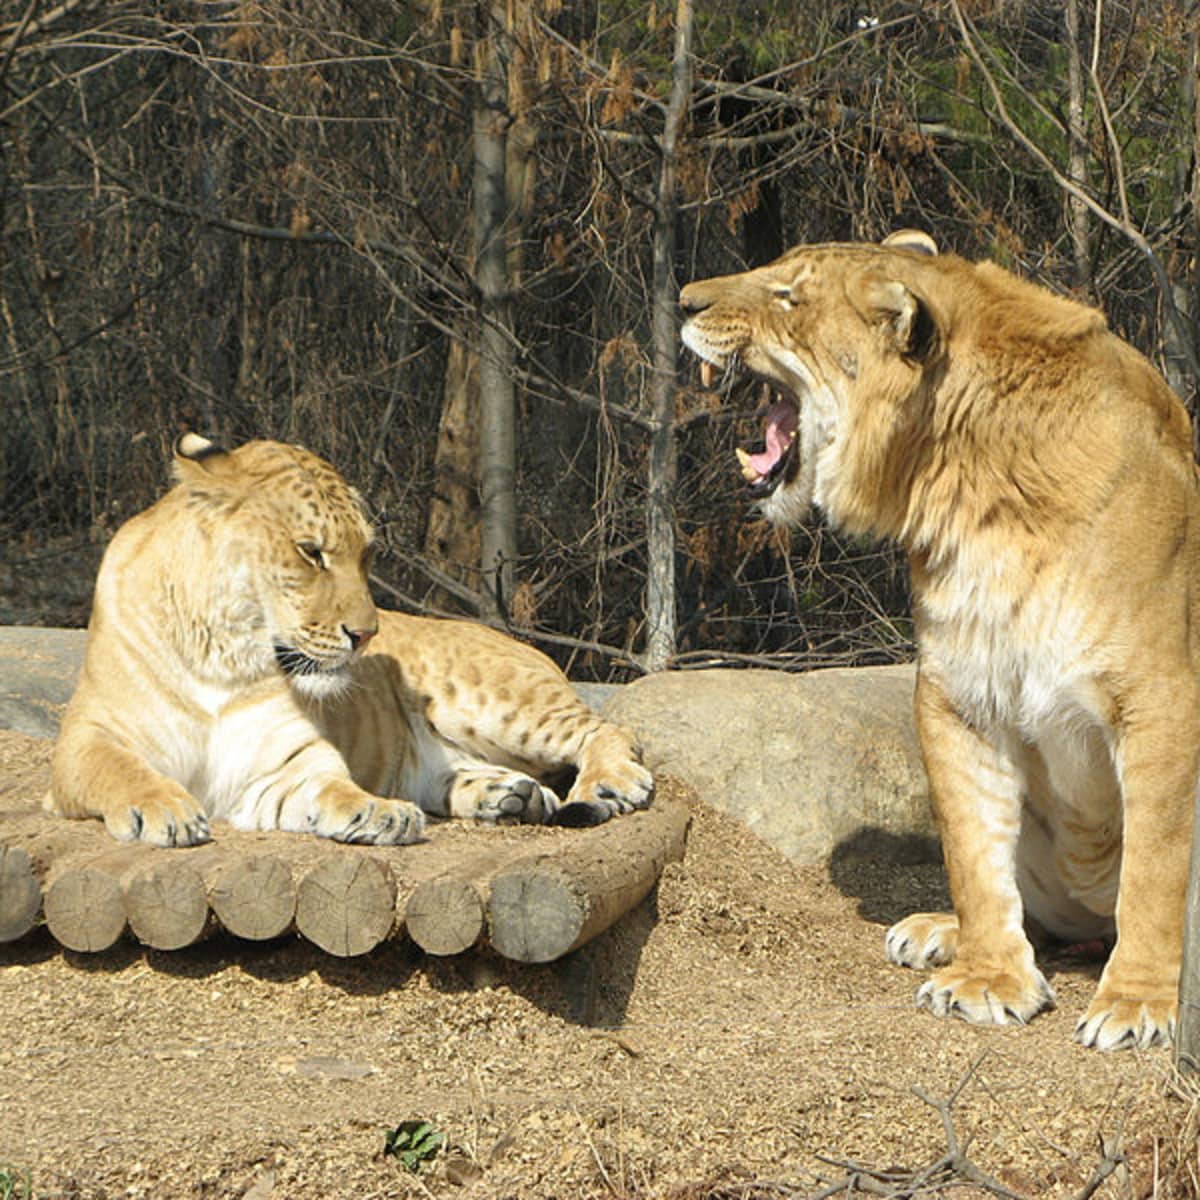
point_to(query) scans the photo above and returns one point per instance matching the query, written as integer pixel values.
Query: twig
(1112, 1158)
(15, 39)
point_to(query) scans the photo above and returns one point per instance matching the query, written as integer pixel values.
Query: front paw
(619, 787)
(1116, 1022)
(923, 940)
(985, 994)
(174, 819)
(363, 818)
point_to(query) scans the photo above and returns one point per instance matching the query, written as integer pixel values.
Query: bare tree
(497, 417)
(1077, 133)
(1120, 215)
(660, 506)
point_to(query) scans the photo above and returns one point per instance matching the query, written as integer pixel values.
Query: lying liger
(1039, 473)
(237, 668)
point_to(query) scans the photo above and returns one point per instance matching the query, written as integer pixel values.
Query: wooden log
(446, 912)
(20, 893)
(84, 900)
(166, 902)
(254, 897)
(84, 909)
(548, 904)
(446, 915)
(83, 912)
(346, 904)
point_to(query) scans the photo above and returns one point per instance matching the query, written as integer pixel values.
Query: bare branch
(1121, 224)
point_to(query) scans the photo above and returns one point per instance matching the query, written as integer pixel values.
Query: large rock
(809, 762)
(38, 670)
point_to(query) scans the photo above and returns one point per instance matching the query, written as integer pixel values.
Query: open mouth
(774, 458)
(767, 463)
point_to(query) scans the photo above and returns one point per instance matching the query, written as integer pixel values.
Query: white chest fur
(1026, 670)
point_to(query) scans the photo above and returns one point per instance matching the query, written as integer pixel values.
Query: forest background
(440, 243)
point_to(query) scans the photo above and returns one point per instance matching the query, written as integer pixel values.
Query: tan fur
(1039, 473)
(236, 668)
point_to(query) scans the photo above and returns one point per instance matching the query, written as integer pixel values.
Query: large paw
(1116, 1022)
(171, 819)
(615, 787)
(986, 995)
(923, 940)
(501, 796)
(347, 815)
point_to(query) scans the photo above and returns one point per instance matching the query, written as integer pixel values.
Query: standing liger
(1039, 473)
(237, 668)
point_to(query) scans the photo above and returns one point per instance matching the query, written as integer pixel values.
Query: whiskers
(295, 663)
(319, 682)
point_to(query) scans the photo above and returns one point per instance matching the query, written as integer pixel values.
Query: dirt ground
(726, 1039)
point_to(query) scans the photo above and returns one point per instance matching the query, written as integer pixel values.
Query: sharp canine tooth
(748, 472)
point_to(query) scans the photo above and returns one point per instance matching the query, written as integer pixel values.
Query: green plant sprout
(412, 1142)
(16, 1183)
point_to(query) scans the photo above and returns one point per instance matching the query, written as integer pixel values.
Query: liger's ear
(906, 319)
(911, 239)
(199, 459)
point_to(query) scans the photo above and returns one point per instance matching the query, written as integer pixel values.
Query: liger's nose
(359, 637)
(690, 299)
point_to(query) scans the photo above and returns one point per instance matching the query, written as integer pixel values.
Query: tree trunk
(1187, 1031)
(1076, 210)
(216, 266)
(453, 530)
(660, 514)
(1186, 281)
(452, 526)
(497, 405)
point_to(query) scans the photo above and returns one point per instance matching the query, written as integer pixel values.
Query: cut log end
(166, 904)
(20, 893)
(254, 897)
(346, 904)
(84, 909)
(537, 914)
(445, 916)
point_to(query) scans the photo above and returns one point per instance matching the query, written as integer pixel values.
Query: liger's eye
(311, 553)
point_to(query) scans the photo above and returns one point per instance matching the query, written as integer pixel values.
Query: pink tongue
(781, 424)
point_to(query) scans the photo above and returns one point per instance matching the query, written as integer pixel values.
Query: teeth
(748, 472)
(708, 374)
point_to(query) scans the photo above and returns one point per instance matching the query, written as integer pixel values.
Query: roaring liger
(1039, 473)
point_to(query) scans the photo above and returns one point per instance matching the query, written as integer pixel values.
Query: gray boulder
(38, 670)
(809, 762)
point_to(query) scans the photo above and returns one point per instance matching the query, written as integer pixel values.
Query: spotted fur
(237, 669)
